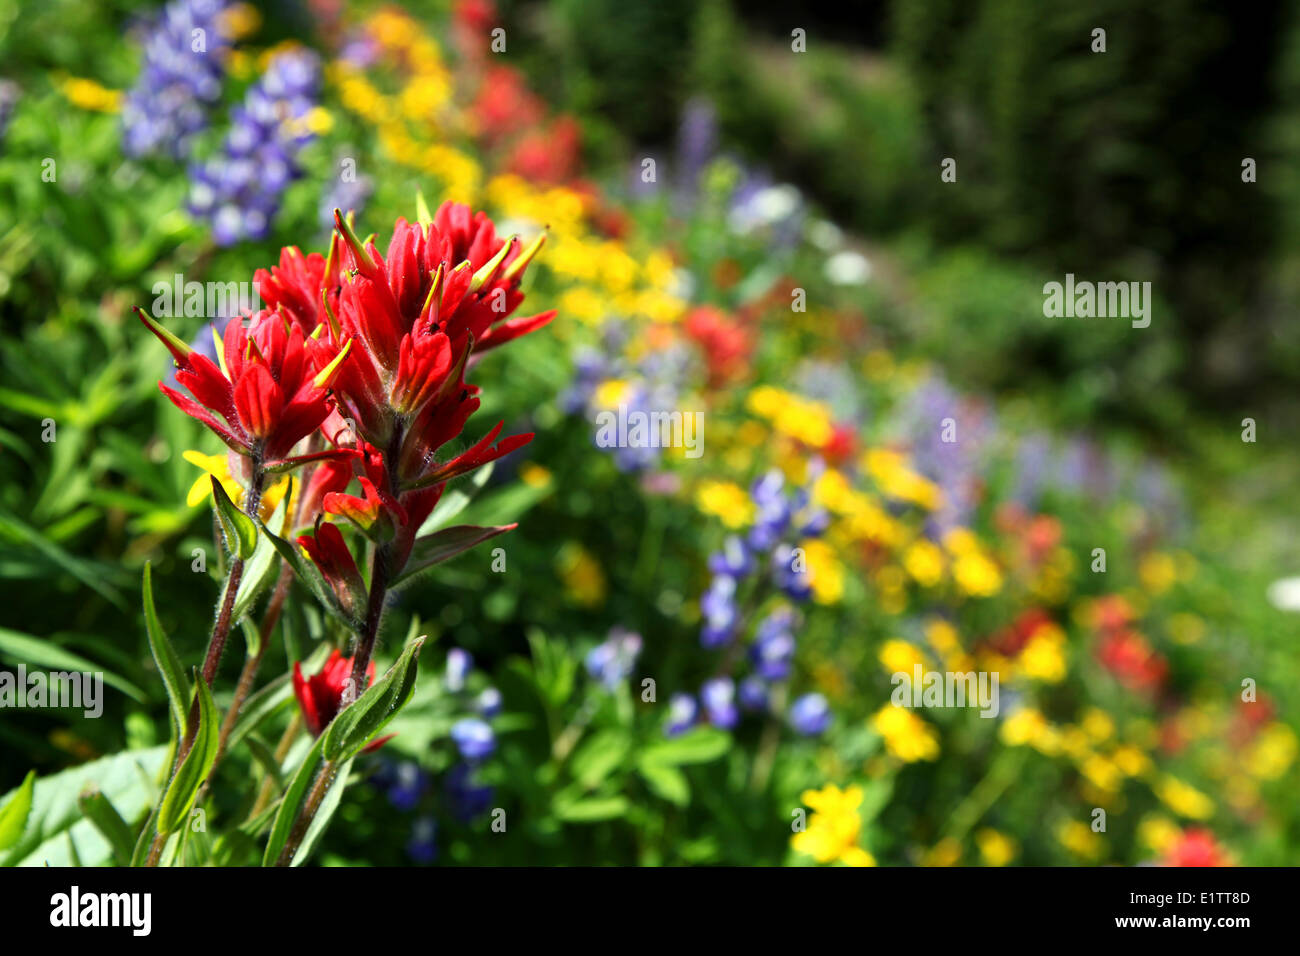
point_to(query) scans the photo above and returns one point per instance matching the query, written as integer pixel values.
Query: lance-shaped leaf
(164, 655)
(455, 498)
(260, 570)
(445, 544)
(13, 815)
(99, 810)
(358, 724)
(291, 802)
(239, 530)
(309, 575)
(184, 786)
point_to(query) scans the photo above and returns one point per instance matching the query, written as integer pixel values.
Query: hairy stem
(324, 780)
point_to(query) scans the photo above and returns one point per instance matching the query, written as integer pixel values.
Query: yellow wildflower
(89, 95)
(996, 848)
(584, 581)
(1043, 658)
(898, 656)
(827, 572)
(1079, 838)
(1184, 799)
(907, 736)
(725, 500)
(924, 562)
(832, 830)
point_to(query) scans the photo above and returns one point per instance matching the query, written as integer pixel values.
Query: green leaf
(321, 821)
(260, 569)
(174, 810)
(310, 575)
(357, 725)
(239, 529)
(291, 802)
(591, 810)
(127, 779)
(99, 810)
(598, 757)
(443, 545)
(13, 815)
(45, 653)
(699, 745)
(164, 655)
(666, 781)
(455, 498)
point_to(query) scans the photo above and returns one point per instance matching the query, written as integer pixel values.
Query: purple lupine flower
(239, 190)
(719, 698)
(611, 662)
(718, 605)
(772, 516)
(9, 95)
(682, 711)
(810, 520)
(468, 797)
(590, 368)
(179, 81)
(753, 694)
(473, 738)
(955, 466)
(459, 664)
(1032, 459)
(422, 847)
(772, 652)
(734, 560)
(697, 141)
(488, 702)
(406, 785)
(810, 715)
(1085, 469)
(795, 583)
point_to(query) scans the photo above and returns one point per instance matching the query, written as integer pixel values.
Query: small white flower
(848, 268)
(1284, 594)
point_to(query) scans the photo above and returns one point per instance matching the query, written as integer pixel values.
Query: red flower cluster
(1127, 655)
(320, 696)
(725, 343)
(364, 354)
(265, 396)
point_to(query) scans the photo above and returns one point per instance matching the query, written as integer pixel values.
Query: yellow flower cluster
(832, 832)
(907, 736)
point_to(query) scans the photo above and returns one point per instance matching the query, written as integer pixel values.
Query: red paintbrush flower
(445, 289)
(319, 695)
(266, 390)
(330, 554)
(300, 285)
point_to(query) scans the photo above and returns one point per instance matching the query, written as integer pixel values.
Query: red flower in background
(319, 695)
(266, 392)
(505, 105)
(725, 344)
(1196, 846)
(550, 154)
(1127, 655)
(1012, 640)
